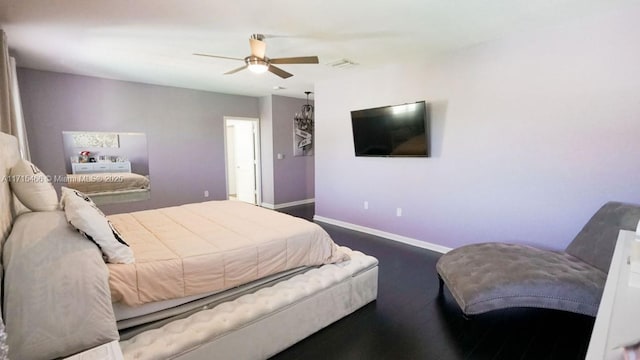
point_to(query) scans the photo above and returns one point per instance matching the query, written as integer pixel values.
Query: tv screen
(399, 130)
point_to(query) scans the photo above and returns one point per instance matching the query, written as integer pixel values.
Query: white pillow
(32, 187)
(84, 215)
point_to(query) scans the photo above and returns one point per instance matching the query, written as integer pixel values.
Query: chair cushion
(489, 276)
(594, 244)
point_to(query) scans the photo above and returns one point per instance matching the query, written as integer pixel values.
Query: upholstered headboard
(9, 155)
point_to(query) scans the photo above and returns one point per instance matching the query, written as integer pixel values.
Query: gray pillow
(57, 300)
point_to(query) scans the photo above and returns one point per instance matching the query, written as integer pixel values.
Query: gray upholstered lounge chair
(490, 276)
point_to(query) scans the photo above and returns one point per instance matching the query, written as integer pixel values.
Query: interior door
(244, 161)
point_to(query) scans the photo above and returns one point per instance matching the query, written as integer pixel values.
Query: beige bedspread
(198, 248)
(106, 182)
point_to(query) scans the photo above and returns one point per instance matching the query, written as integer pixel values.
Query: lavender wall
(530, 135)
(184, 128)
(290, 179)
(266, 147)
(293, 176)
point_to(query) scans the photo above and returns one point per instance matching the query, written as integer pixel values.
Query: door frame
(257, 158)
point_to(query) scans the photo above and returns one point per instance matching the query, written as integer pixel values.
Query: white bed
(66, 315)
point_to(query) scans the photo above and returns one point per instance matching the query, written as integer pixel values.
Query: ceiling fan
(258, 63)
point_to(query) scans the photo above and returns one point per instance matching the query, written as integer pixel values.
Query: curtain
(11, 119)
(21, 130)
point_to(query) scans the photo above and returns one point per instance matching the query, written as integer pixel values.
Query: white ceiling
(152, 41)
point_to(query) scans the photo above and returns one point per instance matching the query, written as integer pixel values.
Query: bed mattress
(204, 247)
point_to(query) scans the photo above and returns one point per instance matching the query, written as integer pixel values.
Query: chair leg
(440, 284)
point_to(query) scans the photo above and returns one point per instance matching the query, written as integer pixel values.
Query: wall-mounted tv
(398, 130)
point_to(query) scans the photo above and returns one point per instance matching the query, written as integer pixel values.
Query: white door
(242, 160)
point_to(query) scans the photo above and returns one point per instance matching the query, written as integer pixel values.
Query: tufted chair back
(595, 243)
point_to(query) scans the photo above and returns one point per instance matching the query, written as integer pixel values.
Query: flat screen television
(388, 131)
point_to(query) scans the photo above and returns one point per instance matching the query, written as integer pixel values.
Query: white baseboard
(384, 234)
(289, 204)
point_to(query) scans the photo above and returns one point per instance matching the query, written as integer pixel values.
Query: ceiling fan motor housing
(256, 64)
(254, 60)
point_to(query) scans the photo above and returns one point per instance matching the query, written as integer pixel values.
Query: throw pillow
(32, 187)
(83, 214)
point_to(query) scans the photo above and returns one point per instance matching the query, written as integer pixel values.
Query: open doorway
(243, 159)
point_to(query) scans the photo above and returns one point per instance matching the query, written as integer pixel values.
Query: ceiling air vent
(342, 64)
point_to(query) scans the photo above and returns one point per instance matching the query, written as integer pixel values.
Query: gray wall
(185, 129)
(531, 135)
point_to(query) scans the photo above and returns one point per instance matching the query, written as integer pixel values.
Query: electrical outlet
(366, 205)
(398, 212)
(206, 193)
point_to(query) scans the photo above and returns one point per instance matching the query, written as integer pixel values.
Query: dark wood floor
(410, 321)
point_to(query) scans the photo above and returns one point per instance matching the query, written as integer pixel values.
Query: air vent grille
(342, 64)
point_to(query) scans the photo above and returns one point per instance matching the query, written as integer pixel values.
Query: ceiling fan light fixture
(258, 68)
(257, 65)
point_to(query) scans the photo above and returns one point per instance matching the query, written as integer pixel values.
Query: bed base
(130, 327)
(259, 325)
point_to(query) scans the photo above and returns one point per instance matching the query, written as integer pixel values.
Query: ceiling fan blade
(276, 70)
(236, 70)
(219, 57)
(296, 60)
(258, 47)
